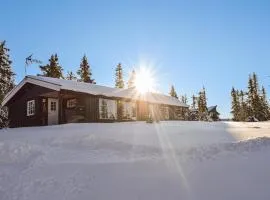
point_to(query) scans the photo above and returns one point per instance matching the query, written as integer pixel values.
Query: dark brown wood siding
(92, 112)
(18, 107)
(86, 106)
(86, 110)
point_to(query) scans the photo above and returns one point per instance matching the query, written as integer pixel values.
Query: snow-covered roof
(132, 93)
(61, 84)
(211, 108)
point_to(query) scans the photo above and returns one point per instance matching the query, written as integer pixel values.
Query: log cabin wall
(85, 108)
(142, 110)
(17, 106)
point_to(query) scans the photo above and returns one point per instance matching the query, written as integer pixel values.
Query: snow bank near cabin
(135, 160)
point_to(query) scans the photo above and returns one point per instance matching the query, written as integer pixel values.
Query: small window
(30, 108)
(53, 106)
(71, 103)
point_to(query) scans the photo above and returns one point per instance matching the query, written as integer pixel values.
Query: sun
(144, 81)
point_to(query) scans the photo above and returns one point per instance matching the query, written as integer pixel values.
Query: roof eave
(27, 79)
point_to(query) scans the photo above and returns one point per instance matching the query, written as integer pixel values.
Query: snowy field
(136, 161)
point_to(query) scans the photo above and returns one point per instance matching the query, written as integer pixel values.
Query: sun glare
(144, 81)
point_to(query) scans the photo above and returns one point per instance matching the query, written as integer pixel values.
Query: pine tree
(85, 71)
(202, 103)
(184, 99)
(6, 81)
(257, 106)
(173, 92)
(204, 99)
(119, 82)
(243, 113)
(250, 98)
(254, 102)
(53, 69)
(235, 108)
(132, 79)
(265, 105)
(71, 76)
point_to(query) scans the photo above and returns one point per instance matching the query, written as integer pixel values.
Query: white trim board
(29, 80)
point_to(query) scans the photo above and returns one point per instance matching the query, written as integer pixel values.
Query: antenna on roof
(28, 61)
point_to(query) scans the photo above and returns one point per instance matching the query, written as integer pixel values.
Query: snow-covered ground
(135, 160)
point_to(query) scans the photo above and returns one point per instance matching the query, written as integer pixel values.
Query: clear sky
(187, 43)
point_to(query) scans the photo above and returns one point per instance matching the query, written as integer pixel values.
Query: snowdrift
(135, 160)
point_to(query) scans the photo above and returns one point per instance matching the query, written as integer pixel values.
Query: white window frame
(128, 108)
(53, 106)
(30, 108)
(111, 109)
(71, 103)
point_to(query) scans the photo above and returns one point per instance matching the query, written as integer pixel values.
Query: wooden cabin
(213, 113)
(39, 101)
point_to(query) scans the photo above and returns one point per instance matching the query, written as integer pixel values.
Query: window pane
(30, 110)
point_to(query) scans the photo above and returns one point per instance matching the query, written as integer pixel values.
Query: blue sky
(187, 43)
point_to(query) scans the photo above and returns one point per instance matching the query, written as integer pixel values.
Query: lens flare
(144, 81)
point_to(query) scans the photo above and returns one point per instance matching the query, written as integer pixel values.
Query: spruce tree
(250, 98)
(132, 79)
(243, 113)
(6, 81)
(235, 108)
(254, 102)
(71, 76)
(85, 71)
(257, 106)
(173, 92)
(202, 102)
(265, 105)
(204, 99)
(53, 69)
(119, 82)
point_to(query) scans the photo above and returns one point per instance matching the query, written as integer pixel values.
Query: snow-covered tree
(235, 108)
(132, 78)
(119, 82)
(173, 92)
(243, 112)
(202, 102)
(265, 105)
(6, 81)
(53, 69)
(85, 71)
(256, 104)
(252, 103)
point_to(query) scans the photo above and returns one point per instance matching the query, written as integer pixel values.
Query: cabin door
(53, 110)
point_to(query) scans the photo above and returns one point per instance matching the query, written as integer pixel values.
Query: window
(30, 108)
(129, 110)
(71, 103)
(53, 106)
(107, 109)
(166, 113)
